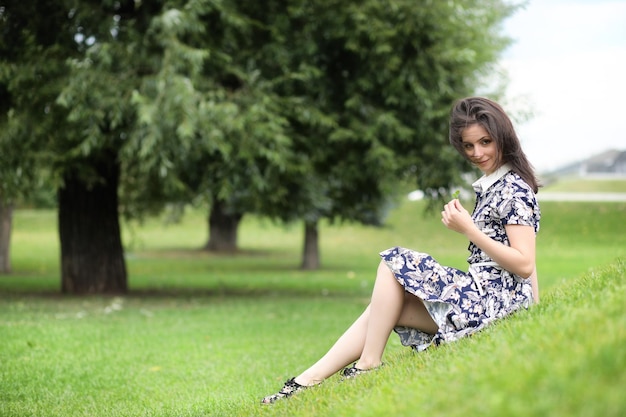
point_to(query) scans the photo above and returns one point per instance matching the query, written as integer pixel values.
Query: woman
(427, 303)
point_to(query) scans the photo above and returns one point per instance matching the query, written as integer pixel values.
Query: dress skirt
(460, 303)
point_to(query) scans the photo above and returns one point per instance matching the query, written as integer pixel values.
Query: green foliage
(291, 110)
(30, 74)
(367, 89)
(207, 128)
(323, 103)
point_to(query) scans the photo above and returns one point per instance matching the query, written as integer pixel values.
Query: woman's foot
(290, 388)
(353, 371)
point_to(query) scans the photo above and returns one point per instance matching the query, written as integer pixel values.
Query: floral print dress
(462, 303)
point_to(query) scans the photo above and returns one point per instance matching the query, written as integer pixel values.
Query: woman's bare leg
(345, 350)
(367, 337)
(385, 310)
(415, 315)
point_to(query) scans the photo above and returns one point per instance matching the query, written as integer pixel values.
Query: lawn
(206, 335)
(583, 185)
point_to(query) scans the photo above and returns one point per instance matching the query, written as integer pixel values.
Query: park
(206, 335)
(194, 194)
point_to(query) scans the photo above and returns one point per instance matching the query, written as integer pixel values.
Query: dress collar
(486, 181)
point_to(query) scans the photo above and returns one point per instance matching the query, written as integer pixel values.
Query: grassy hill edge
(564, 356)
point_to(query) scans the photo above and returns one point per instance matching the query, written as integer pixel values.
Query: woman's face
(480, 148)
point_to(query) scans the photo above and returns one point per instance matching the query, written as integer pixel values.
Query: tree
(289, 109)
(29, 73)
(228, 135)
(120, 103)
(116, 52)
(11, 179)
(17, 178)
(367, 87)
(70, 79)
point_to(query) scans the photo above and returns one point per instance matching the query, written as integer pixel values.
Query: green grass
(205, 335)
(564, 357)
(581, 185)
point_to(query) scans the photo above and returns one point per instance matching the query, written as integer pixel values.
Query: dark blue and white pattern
(460, 302)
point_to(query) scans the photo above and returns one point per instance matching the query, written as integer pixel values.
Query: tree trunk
(223, 227)
(92, 256)
(6, 221)
(311, 253)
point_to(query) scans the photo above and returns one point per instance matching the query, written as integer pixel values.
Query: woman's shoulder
(513, 179)
(518, 202)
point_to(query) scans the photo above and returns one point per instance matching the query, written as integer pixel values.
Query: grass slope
(564, 357)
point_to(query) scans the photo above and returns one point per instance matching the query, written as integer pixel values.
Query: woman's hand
(455, 217)
(518, 257)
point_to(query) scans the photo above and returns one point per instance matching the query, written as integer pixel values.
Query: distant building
(609, 162)
(619, 166)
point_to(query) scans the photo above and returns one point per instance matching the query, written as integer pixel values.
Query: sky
(567, 66)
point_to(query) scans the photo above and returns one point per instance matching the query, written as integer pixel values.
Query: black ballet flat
(352, 371)
(291, 387)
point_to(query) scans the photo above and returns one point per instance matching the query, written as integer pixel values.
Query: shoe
(290, 388)
(353, 371)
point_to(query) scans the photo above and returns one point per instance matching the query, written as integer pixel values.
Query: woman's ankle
(307, 380)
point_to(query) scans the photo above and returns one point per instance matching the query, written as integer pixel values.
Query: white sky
(568, 67)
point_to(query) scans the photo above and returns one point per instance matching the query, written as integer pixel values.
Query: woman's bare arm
(518, 258)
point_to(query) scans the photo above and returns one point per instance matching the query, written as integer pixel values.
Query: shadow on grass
(199, 253)
(184, 293)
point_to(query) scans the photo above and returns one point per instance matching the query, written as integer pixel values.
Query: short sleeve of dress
(518, 205)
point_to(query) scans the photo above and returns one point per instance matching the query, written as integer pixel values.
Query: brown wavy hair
(490, 115)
